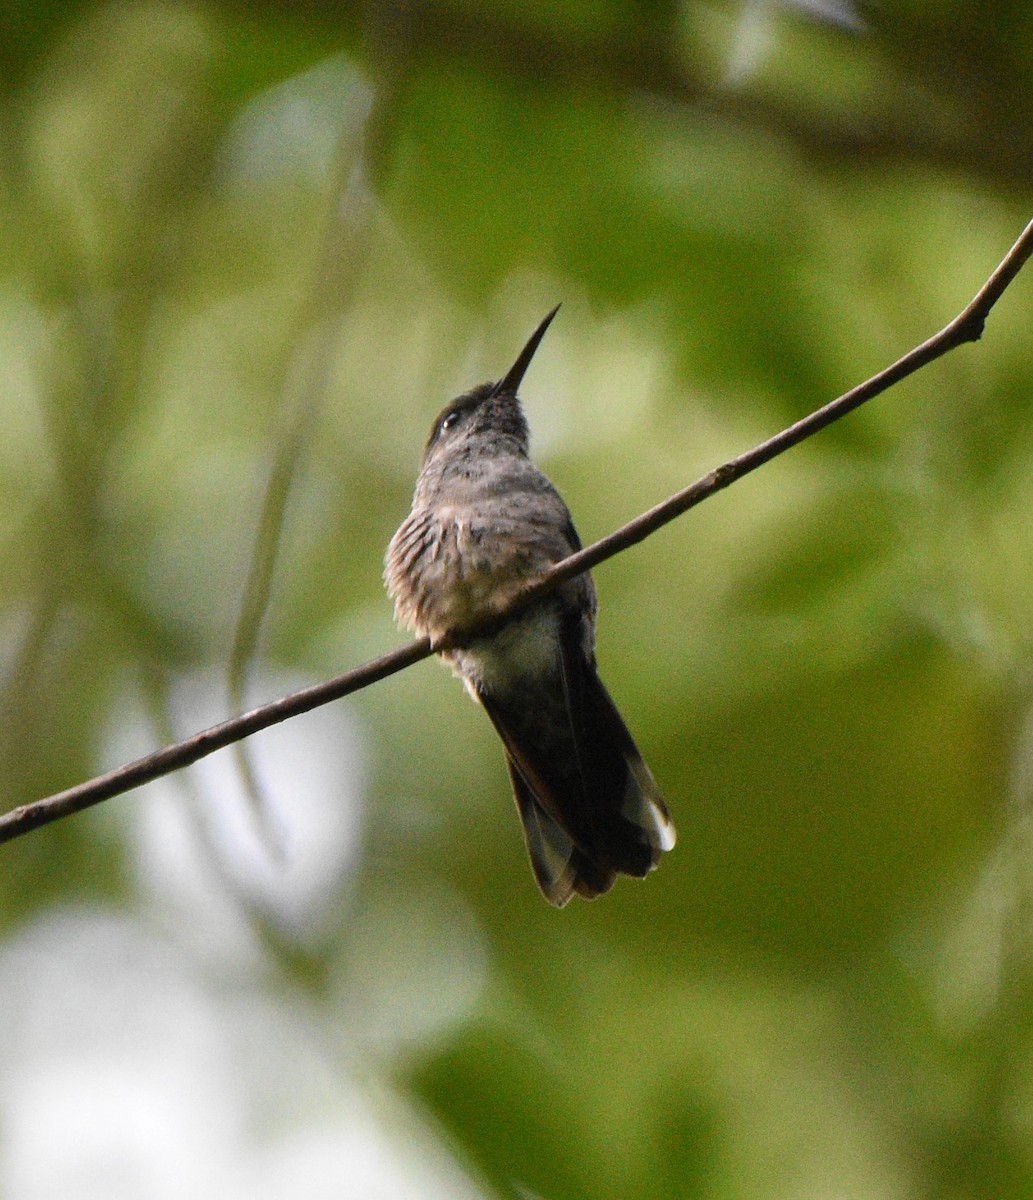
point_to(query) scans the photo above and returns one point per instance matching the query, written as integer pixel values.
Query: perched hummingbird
(484, 523)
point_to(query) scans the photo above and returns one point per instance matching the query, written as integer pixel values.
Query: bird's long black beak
(516, 372)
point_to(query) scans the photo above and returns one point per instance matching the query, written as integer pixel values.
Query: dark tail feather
(623, 777)
(560, 867)
(589, 805)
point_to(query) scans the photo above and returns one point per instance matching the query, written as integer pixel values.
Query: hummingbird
(485, 522)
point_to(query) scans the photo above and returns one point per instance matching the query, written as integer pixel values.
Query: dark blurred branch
(965, 65)
(303, 387)
(967, 326)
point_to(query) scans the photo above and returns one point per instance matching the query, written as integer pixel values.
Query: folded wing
(589, 805)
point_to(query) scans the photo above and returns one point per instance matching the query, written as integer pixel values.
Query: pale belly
(526, 650)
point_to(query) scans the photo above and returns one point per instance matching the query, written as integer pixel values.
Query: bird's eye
(449, 421)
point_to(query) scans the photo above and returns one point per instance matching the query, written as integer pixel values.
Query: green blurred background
(248, 251)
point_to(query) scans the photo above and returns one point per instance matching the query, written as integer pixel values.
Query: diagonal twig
(967, 326)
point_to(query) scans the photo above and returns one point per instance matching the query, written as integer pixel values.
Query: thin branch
(967, 326)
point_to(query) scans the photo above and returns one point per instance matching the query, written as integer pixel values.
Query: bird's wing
(612, 769)
(589, 806)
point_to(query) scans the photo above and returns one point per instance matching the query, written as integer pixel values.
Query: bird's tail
(589, 805)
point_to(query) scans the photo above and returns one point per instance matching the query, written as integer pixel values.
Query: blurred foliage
(249, 251)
